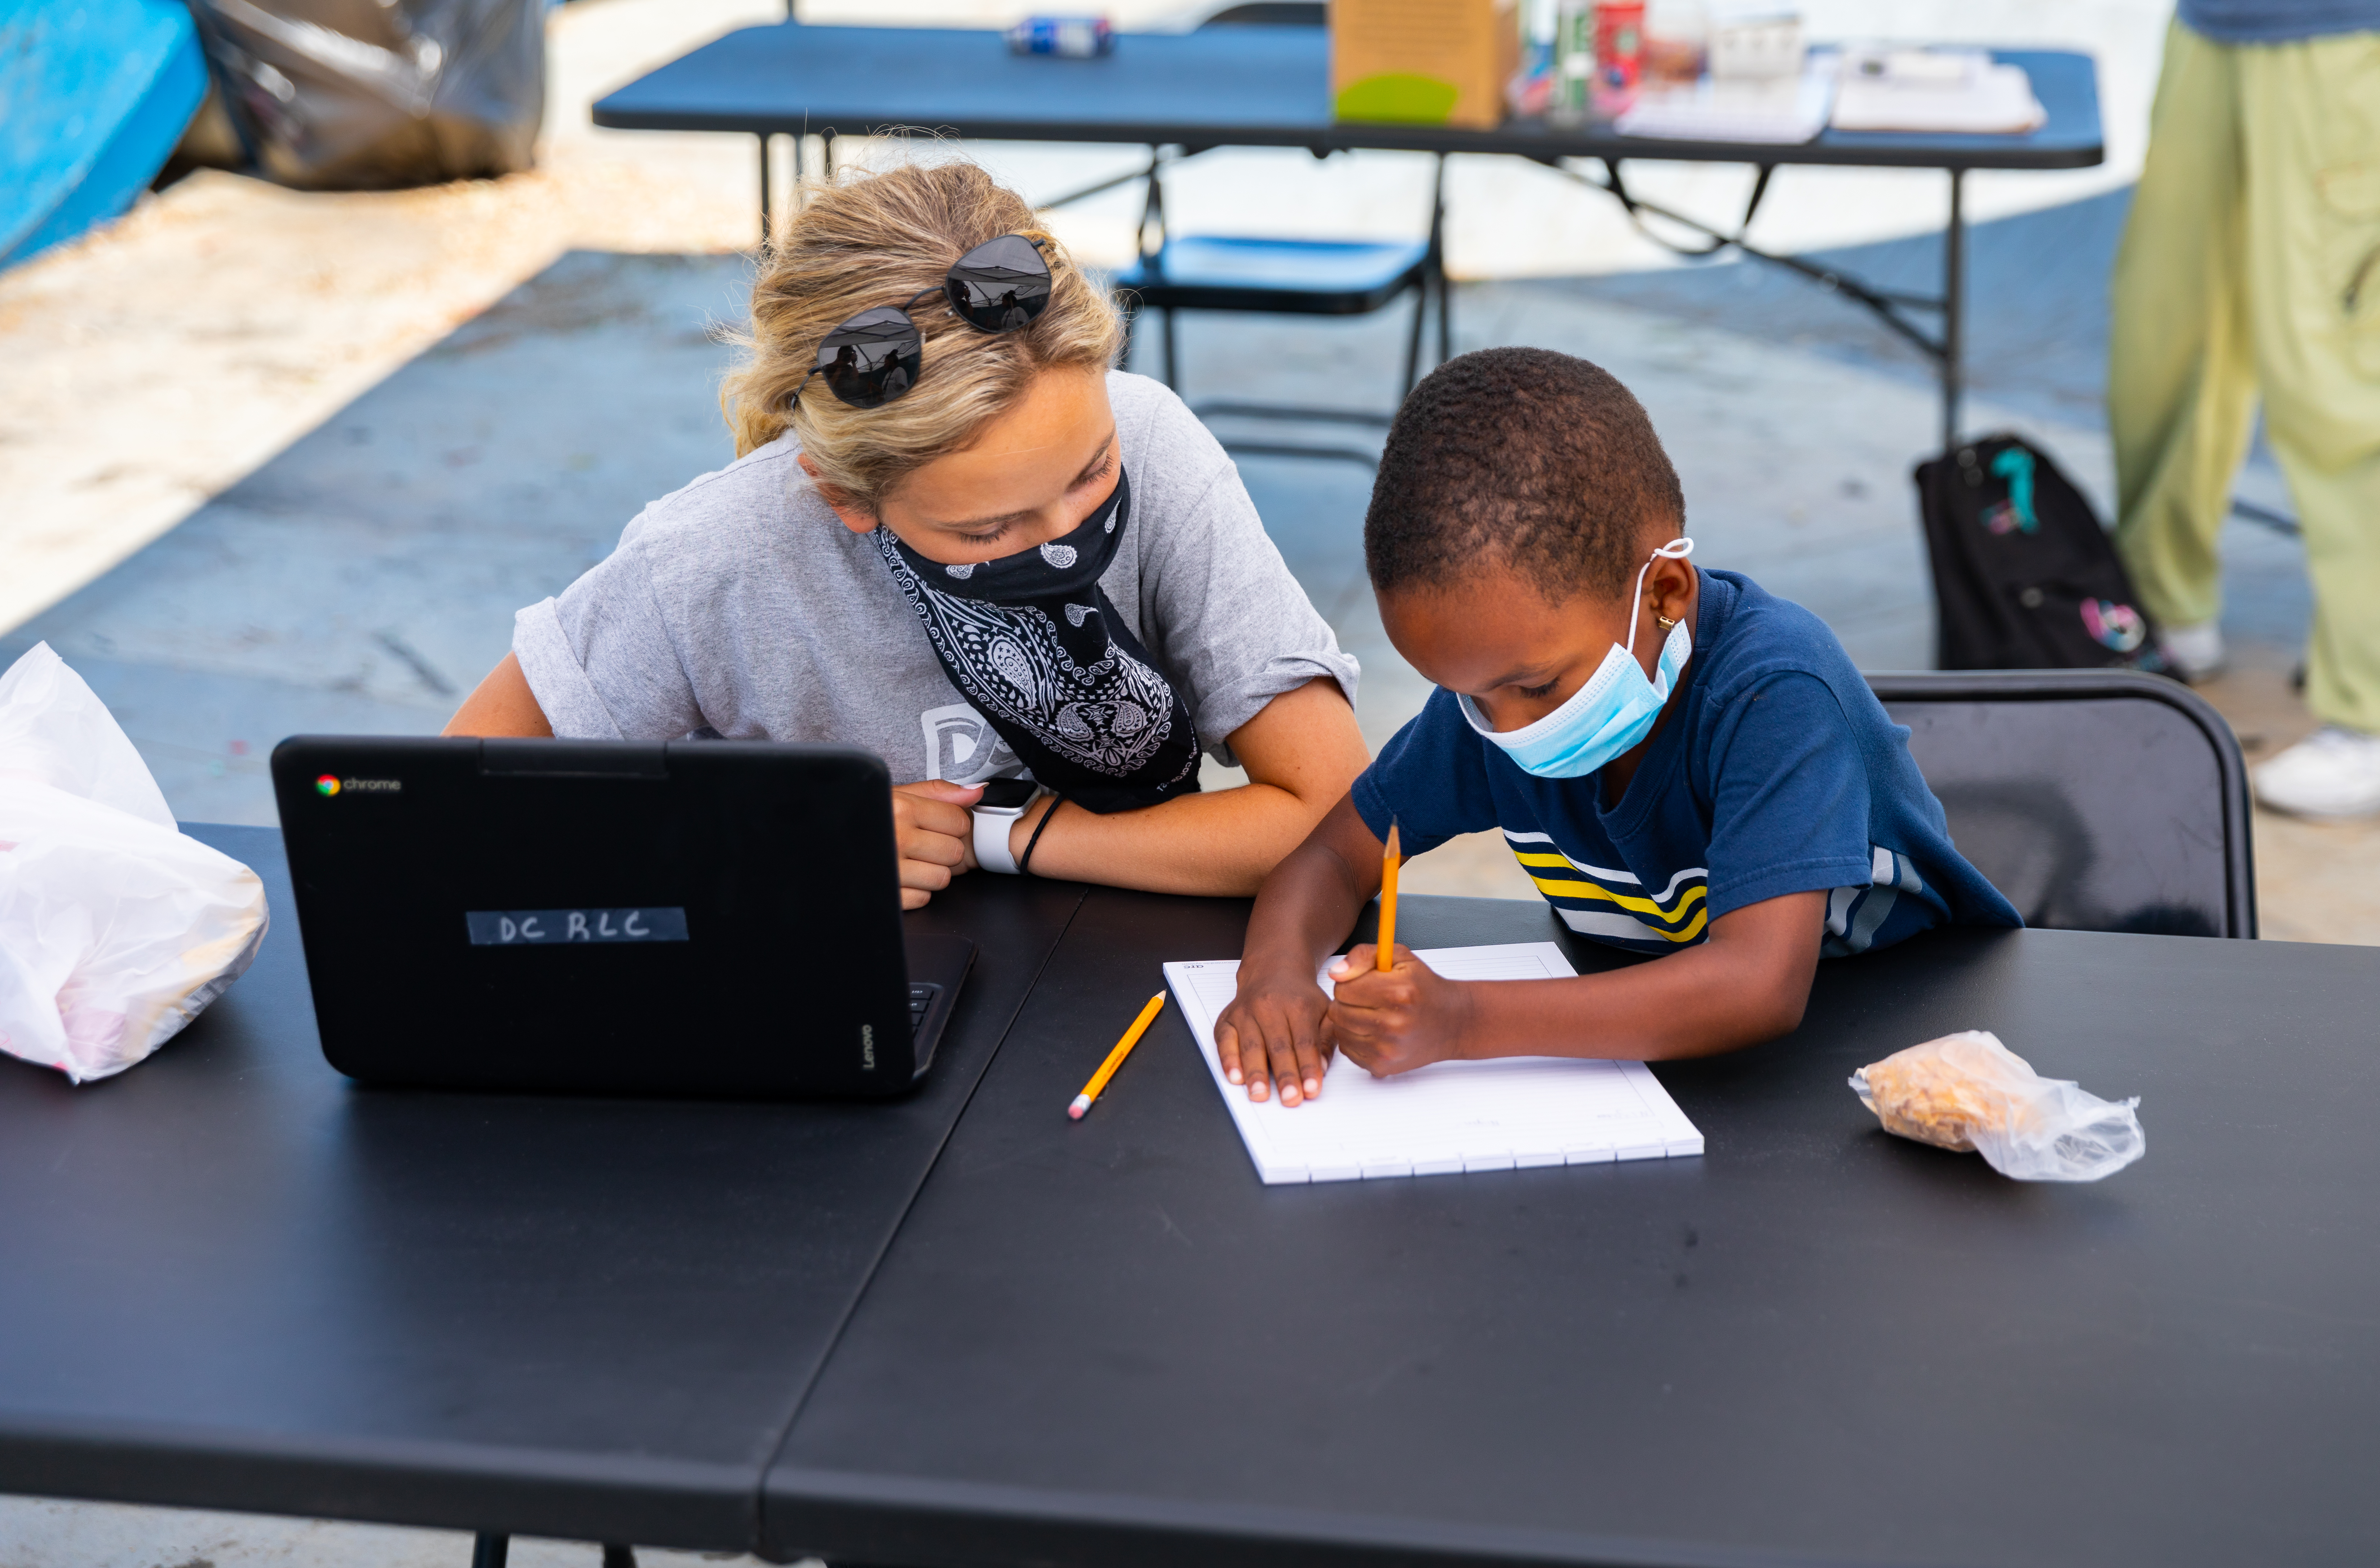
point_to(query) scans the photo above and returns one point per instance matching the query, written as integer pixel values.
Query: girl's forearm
(1301, 750)
(1220, 843)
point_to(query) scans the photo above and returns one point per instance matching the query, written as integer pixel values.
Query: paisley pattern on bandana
(1111, 717)
(1033, 641)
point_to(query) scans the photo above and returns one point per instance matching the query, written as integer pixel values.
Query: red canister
(1619, 54)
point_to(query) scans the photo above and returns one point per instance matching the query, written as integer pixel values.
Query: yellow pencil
(1116, 1058)
(1389, 864)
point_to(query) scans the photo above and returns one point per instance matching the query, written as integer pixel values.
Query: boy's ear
(855, 517)
(1670, 587)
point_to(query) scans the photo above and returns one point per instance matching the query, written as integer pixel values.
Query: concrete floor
(301, 483)
(364, 578)
(37, 1533)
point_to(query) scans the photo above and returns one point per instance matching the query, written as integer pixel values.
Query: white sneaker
(2332, 773)
(2196, 652)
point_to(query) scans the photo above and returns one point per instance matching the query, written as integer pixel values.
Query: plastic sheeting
(360, 95)
(91, 98)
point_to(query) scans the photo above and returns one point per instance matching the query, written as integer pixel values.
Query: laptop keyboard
(921, 998)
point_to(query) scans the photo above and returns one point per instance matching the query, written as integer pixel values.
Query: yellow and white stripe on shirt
(1614, 905)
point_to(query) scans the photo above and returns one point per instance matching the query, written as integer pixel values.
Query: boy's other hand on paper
(936, 835)
(1270, 1036)
(1393, 1022)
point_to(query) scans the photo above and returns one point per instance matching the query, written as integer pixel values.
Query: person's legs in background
(2309, 113)
(2180, 378)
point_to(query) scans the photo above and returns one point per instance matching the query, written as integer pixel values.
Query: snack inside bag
(1968, 1092)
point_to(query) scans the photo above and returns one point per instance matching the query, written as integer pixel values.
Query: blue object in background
(94, 96)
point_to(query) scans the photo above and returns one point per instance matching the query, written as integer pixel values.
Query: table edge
(1346, 137)
(701, 1505)
(870, 1516)
(610, 114)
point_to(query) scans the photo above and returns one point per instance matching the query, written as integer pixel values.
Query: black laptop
(695, 917)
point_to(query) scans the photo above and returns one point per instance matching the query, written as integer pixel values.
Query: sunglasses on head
(877, 355)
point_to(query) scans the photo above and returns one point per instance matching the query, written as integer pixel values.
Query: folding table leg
(764, 191)
(1437, 262)
(489, 1550)
(1954, 310)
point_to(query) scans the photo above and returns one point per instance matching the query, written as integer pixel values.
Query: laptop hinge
(574, 758)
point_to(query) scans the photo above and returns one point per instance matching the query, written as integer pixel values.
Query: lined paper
(1450, 1116)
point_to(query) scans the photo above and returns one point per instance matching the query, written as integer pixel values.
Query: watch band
(991, 825)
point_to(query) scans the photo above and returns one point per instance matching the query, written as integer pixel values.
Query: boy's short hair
(1525, 458)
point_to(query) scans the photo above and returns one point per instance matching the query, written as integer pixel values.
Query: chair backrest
(2097, 800)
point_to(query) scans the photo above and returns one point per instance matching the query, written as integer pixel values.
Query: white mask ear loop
(1676, 549)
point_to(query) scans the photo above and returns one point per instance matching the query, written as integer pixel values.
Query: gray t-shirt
(741, 606)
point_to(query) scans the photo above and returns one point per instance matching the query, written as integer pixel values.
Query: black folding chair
(2094, 800)
(1308, 277)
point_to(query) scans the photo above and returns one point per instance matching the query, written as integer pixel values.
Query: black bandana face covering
(1033, 642)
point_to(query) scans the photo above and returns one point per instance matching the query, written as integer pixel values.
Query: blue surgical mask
(1613, 712)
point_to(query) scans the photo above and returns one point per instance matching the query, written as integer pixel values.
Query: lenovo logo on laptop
(533, 928)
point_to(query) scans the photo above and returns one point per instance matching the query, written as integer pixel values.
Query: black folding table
(1269, 87)
(1107, 1343)
(962, 1330)
(231, 1278)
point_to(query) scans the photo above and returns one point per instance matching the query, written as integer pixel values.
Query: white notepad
(1775, 113)
(1980, 99)
(1450, 1116)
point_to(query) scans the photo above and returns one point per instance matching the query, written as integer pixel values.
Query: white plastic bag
(116, 929)
(1967, 1091)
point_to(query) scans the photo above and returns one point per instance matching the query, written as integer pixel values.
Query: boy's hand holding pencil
(1393, 1013)
(1390, 1014)
(1391, 1020)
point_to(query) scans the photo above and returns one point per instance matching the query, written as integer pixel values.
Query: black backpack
(2024, 578)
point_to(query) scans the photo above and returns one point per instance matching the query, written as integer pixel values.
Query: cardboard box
(1424, 62)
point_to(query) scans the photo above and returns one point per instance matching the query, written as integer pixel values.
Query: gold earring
(1664, 621)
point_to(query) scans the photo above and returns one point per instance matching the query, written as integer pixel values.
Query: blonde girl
(956, 535)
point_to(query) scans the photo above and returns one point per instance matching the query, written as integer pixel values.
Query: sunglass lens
(1000, 285)
(873, 358)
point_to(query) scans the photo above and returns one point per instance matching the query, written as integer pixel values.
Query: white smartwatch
(1003, 801)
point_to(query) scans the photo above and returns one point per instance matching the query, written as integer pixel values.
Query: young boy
(1685, 765)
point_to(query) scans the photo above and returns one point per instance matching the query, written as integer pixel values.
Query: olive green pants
(2251, 263)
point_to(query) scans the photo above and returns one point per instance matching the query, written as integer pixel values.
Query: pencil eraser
(1082, 1103)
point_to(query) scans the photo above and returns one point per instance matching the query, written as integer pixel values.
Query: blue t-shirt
(1778, 772)
(2276, 21)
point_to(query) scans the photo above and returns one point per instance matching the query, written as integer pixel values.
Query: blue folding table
(1269, 86)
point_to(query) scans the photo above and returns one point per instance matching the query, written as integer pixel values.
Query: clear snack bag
(1968, 1092)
